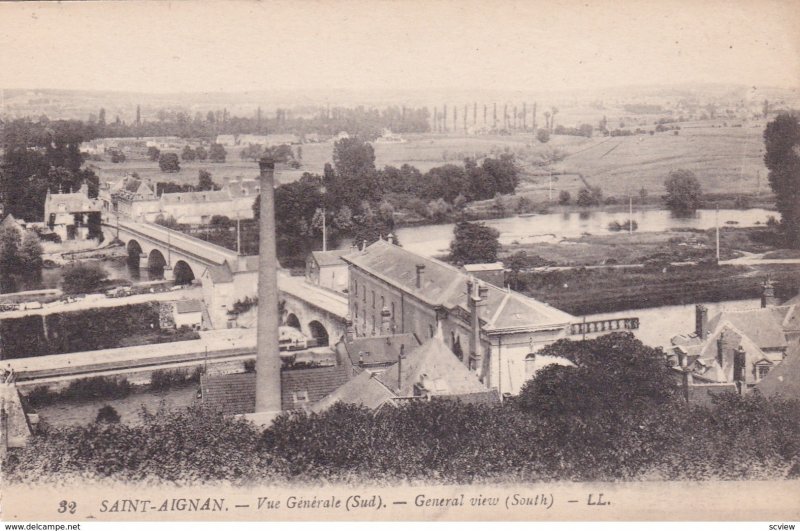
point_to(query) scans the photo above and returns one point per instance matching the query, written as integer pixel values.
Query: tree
(117, 156)
(205, 182)
(683, 192)
(217, 153)
(251, 152)
(782, 158)
(589, 196)
(474, 243)
(153, 153)
(108, 415)
(30, 254)
(169, 163)
(564, 197)
(353, 177)
(615, 375)
(543, 135)
(201, 153)
(515, 263)
(9, 257)
(188, 154)
(83, 278)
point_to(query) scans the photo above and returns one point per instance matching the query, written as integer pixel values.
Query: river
(433, 240)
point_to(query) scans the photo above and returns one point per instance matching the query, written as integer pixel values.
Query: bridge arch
(293, 321)
(183, 273)
(134, 250)
(156, 264)
(319, 332)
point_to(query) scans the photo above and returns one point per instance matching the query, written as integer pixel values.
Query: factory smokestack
(268, 361)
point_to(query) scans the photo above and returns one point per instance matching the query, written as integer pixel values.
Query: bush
(83, 278)
(107, 414)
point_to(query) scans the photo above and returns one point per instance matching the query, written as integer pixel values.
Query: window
(300, 397)
(364, 295)
(383, 302)
(373, 298)
(763, 370)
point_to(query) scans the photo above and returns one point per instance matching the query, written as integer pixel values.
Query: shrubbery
(616, 414)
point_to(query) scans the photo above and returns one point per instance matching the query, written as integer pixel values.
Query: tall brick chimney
(701, 321)
(739, 370)
(768, 297)
(268, 361)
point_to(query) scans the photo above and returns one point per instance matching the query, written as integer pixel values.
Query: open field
(588, 291)
(673, 245)
(725, 159)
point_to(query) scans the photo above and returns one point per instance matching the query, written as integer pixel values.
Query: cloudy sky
(491, 44)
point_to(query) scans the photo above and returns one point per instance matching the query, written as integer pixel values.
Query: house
(235, 394)
(327, 269)
(195, 208)
(426, 372)
(375, 354)
(67, 214)
(188, 313)
(131, 198)
(495, 332)
(738, 349)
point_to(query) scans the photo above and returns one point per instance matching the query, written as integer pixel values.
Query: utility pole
(630, 214)
(238, 234)
(324, 232)
(716, 222)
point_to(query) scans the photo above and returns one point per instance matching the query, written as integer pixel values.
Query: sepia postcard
(343, 260)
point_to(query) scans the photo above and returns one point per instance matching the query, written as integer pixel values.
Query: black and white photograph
(401, 260)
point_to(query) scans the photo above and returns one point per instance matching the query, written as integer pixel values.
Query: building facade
(493, 331)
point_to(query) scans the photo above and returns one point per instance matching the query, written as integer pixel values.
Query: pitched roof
(494, 266)
(783, 379)
(243, 188)
(762, 325)
(235, 394)
(316, 383)
(445, 285)
(381, 349)
(189, 306)
(183, 198)
(330, 258)
(434, 366)
(74, 202)
(232, 394)
(364, 390)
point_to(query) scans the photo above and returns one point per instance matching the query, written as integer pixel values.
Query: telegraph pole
(716, 222)
(630, 214)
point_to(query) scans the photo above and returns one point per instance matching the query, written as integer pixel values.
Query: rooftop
(445, 285)
(189, 306)
(330, 258)
(381, 349)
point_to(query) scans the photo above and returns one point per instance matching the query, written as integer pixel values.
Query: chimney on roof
(701, 321)
(768, 294)
(721, 349)
(349, 332)
(268, 361)
(386, 322)
(400, 357)
(420, 275)
(476, 299)
(739, 373)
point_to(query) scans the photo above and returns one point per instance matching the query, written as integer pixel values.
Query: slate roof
(783, 379)
(762, 325)
(189, 306)
(317, 383)
(243, 188)
(188, 198)
(330, 258)
(235, 394)
(380, 349)
(435, 366)
(364, 390)
(232, 394)
(494, 266)
(445, 285)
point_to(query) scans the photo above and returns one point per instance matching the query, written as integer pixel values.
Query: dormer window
(300, 397)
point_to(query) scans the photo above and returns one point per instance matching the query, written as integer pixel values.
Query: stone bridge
(227, 277)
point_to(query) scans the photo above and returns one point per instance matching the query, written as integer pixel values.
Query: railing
(604, 325)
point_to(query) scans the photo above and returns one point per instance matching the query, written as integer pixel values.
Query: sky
(204, 46)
